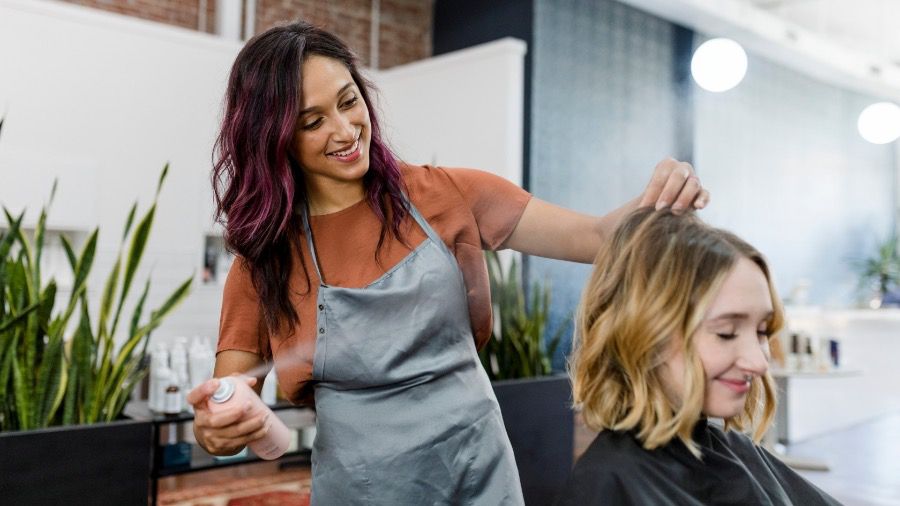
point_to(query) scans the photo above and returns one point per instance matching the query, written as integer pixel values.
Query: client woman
(674, 327)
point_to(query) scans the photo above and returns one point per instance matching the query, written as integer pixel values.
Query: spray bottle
(234, 391)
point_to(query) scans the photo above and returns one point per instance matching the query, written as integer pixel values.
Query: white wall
(462, 109)
(102, 102)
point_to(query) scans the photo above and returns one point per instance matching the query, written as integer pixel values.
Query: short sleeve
(496, 203)
(241, 326)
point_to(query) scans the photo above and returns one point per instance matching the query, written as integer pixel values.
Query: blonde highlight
(655, 280)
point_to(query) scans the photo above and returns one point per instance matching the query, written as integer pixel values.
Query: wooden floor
(864, 462)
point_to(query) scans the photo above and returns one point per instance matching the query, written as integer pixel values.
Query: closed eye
(314, 125)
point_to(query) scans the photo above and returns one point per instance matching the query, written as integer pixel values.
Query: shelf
(201, 460)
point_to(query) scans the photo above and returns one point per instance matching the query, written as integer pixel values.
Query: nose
(344, 131)
(752, 357)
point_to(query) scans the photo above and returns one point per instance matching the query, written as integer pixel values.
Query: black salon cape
(616, 470)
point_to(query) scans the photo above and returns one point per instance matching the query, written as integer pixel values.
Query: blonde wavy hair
(653, 281)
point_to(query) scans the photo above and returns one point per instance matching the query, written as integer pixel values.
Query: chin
(725, 408)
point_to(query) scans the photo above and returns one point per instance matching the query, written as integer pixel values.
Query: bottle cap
(224, 392)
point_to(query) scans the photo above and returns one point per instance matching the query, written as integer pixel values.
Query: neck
(327, 196)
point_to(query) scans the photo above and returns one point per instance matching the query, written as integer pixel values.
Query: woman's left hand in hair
(674, 184)
(551, 231)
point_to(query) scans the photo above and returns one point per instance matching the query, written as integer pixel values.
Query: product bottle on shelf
(159, 360)
(201, 362)
(234, 391)
(179, 365)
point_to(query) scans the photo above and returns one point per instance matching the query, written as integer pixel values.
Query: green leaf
(129, 221)
(10, 236)
(135, 253)
(157, 316)
(22, 397)
(39, 233)
(19, 318)
(162, 178)
(106, 299)
(50, 385)
(83, 355)
(71, 392)
(7, 356)
(139, 309)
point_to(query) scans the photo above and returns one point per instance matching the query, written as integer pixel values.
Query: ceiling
(868, 26)
(850, 43)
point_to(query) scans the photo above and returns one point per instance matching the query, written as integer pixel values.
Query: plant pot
(107, 463)
(540, 424)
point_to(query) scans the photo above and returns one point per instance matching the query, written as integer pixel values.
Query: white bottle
(179, 365)
(162, 380)
(201, 362)
(235, 392)
(159, 360)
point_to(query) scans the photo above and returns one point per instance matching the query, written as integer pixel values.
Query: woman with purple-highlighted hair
(362, 280)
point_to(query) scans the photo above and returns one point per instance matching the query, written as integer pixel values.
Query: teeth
(345, 153)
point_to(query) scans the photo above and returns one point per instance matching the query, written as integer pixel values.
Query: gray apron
(405, 414)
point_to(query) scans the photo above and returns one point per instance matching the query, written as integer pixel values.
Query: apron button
(321, 331)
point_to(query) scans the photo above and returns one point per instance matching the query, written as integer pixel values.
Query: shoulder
(239, 281)
(736, 440)
(461, 179)
(601, 471)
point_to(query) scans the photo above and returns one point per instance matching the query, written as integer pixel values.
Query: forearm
(554, 232)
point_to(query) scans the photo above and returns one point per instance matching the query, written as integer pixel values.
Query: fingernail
(660, 205)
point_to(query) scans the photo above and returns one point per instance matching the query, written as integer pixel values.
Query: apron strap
(307, 231)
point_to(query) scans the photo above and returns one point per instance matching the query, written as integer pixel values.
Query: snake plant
(54, 373)
(518, 348)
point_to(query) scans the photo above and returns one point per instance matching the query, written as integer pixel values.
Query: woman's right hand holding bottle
(227, 431)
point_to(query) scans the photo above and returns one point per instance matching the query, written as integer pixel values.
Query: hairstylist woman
(363, 279)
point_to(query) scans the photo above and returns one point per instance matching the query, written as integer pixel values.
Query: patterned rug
(282, 489)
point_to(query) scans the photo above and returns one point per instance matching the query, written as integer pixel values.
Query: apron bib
(405, 414)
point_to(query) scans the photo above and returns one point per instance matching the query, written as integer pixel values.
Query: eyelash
(761, 333)
(346, 105)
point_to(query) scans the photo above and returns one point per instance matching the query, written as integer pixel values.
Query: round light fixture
(719, 65)
(879, 123)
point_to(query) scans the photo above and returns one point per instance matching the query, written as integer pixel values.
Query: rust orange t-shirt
(470, 210)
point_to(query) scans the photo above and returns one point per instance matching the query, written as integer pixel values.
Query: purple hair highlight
(257, 184)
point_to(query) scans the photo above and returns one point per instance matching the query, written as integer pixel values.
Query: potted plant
(63, 387)
(536, 404)
(881, 273)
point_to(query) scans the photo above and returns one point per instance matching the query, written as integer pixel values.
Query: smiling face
(732, 342)
(333, 132)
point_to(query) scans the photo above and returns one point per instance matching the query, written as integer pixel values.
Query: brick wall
(404, 29)
(183, 13)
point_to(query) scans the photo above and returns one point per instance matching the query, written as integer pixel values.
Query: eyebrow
(316, 108)
(739, 316)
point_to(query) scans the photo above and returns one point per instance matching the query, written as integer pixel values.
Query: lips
(740, 386)
(347, 152)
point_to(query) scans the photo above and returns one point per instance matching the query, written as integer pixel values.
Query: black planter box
(107, 463)
(539, 420)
